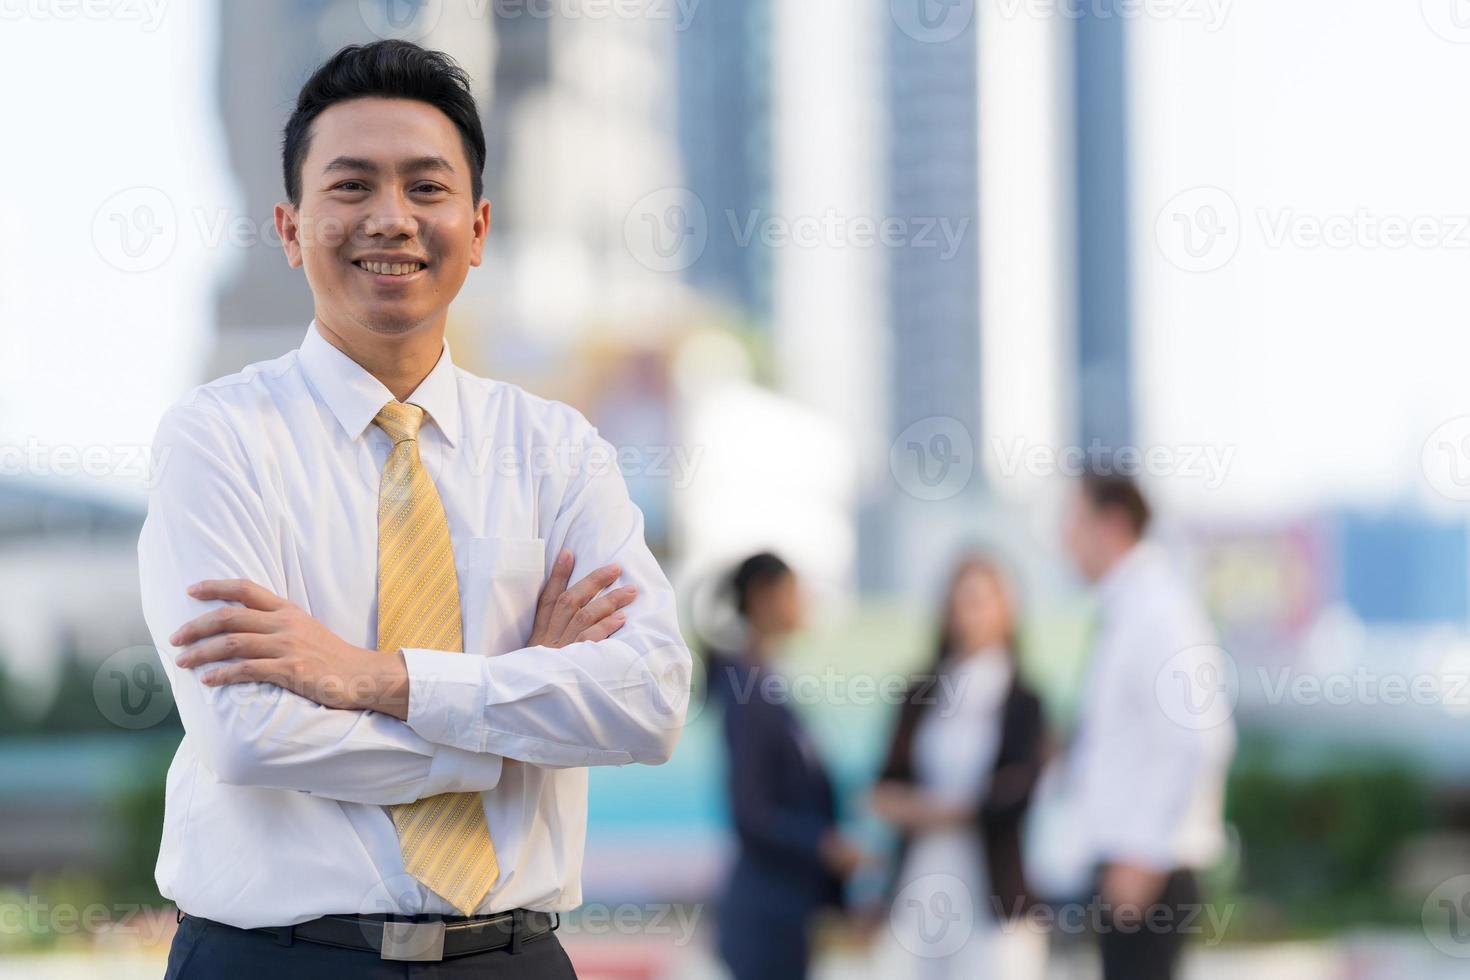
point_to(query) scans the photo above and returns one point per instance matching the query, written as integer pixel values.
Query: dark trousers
(209, 950)
(1149, 949)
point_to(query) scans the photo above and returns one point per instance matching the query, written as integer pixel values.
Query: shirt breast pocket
(500, 580)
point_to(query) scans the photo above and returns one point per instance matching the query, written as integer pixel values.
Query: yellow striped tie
(444, 839)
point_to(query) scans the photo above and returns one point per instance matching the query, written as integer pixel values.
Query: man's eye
(427, 188)
(349, 185)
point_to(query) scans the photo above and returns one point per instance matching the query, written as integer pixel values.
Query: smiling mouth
(390, 268)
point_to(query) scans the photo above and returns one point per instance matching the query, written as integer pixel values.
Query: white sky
(90, 354)
(1325, 367)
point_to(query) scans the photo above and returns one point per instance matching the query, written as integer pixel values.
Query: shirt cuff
(452, 770)
(446, 702)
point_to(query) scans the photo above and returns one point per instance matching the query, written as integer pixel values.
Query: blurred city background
(861, 282)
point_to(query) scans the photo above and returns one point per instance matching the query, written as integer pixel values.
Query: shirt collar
(355, 396)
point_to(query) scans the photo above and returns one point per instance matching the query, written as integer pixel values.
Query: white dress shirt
(1149, 764)
(275, 808)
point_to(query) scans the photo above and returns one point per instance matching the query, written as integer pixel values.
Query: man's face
(1085, 534)
(387, 227)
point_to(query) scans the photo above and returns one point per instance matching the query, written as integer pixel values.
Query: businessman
(1150, 767)
(393, 661)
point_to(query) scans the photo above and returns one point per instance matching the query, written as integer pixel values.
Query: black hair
(390, 69)
(758, 570)
(1111, 490)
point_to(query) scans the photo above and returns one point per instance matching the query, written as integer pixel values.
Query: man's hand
(565, 616)
(276, 642)
(1130, 888)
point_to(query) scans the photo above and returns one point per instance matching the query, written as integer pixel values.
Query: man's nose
(389, 216)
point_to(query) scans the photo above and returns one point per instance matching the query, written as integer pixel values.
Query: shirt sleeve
(206, 519)
(610, 702)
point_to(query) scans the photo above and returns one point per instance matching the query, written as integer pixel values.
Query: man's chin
(391, 319)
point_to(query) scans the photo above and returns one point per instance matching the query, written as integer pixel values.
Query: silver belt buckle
(418, 941)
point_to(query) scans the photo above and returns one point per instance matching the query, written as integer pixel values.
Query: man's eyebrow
(361, 165)
(429, 163)
(350, 163)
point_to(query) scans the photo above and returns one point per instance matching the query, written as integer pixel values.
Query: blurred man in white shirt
(1154, 737)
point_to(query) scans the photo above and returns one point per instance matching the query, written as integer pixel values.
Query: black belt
(421, 937)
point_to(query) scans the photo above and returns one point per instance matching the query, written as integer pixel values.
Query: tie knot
(400, 420)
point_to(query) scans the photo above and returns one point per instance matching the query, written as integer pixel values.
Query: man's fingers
(561, 571)
(556, 585)
(237, 590)
(240, 673)
(227, 646)
(224, 619)
(603, 629)
(570, 602)
(602, 607)
(596, 580)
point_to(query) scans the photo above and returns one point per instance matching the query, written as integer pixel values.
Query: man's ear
(288, 229)
(481, 230)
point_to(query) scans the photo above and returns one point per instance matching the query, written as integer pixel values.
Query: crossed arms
(271, 697)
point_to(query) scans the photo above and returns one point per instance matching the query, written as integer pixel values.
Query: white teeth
(391, 268)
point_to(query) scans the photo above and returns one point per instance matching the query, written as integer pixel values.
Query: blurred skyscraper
(933, 176)
(264, 50)
(1104, 312)
(930, 157)
(725, 82)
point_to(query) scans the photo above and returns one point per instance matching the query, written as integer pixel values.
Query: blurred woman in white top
(965, 756)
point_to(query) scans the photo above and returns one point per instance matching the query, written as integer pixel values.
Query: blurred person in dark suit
(791, 858)
(1154, 735)
(965, 756)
